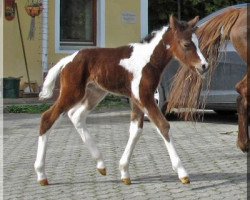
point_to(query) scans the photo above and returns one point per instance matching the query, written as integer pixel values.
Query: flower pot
(33, 11)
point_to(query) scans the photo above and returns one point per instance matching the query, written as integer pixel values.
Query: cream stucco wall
(117, 33)
(1, 42)
(13, 59)
(53, 57)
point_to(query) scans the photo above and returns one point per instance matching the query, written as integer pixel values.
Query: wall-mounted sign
(128, 17)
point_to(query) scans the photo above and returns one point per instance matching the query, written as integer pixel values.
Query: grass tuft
(110, 102)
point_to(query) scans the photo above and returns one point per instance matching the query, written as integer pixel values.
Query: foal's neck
(161, 54)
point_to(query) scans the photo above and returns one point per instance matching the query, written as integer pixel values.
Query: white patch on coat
(167, 46)
(139, 58)
(50, 79)
(196, 43)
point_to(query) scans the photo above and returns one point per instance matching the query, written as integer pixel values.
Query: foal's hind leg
(48, 119)
(40, 160)
(66, 100)
(78, 115)
(163, 127)
(135, 132)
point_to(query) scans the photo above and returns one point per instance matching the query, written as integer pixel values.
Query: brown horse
(230, 25)
(133, 71)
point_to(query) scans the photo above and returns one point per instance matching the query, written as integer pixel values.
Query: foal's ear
(194, 21)
(173, 23)
(194, 29)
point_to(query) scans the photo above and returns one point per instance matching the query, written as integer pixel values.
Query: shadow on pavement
(227, 178)
(210, 117)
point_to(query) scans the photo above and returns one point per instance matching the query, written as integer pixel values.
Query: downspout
(144, 18)
(45, 38)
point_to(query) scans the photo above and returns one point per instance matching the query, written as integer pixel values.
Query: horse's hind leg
(78, 115)
(68, 97)
(40, 160)
(135, 132)
(48, 119)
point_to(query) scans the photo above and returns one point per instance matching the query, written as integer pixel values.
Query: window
(78, 23)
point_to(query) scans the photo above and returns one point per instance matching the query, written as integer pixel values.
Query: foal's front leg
(162, 126)
(135, 132)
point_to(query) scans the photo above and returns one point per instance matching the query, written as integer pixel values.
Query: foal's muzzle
(202, 68)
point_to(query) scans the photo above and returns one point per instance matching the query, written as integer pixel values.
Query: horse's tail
(49, 83)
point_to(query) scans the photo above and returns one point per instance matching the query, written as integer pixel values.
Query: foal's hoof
(103, 171)
(244, 146)
(44, 182)
(126, 181)
(185, 180)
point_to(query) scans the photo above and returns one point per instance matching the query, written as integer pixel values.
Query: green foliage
(160, 10)
(110, 102)
(32, 109)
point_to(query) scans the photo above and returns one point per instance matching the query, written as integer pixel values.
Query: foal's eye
(187, 45)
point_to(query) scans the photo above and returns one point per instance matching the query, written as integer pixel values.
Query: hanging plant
(9, 9)
(33, 9)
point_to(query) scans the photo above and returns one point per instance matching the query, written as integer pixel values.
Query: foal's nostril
(203, 67)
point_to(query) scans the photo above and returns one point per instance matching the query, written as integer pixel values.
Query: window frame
(99, 29)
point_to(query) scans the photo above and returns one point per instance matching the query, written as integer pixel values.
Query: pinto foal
(133, 71)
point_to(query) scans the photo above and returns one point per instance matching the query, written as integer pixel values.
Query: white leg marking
(139, 58)
(78, 116)
(175, 160)
(40, 158)
(134, 135)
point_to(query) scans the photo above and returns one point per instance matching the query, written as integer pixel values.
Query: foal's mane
(182, 26)
(187, 84)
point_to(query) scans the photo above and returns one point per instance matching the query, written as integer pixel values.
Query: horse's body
(230, 25)
(133, 71)
(238, 36)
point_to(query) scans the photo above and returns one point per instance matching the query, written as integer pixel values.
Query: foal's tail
(50, 79)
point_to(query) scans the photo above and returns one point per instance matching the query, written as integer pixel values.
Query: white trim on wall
(101, 10)
(57, 26)
(101, 6)
(144, 18)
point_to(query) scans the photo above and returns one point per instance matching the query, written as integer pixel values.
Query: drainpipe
(45, 38)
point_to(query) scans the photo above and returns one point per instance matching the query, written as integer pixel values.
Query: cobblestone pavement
(217, 168)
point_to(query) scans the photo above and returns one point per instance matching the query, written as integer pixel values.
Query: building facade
(65, 26)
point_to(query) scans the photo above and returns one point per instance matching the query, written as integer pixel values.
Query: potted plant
(9, 9)
(34, 8)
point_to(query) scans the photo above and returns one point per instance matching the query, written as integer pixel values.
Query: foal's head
(185, 45)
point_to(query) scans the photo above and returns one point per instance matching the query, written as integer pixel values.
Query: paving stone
(217, 168)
